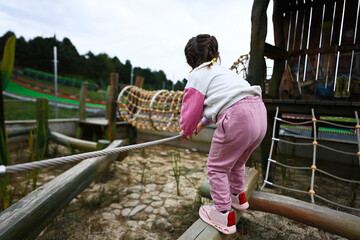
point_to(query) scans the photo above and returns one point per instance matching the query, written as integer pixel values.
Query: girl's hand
(184, 137)
(199, 127)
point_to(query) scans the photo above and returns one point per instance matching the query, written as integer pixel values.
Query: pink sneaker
(239, 201)
(224, 222)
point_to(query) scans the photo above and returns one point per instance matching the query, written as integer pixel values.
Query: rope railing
(313, 167)
(78, 157)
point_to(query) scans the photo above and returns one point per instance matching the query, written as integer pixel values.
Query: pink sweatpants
(240, 129)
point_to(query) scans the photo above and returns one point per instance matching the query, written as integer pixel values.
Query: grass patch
(24, 110)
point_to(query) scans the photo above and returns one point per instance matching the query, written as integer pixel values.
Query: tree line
(37, 53)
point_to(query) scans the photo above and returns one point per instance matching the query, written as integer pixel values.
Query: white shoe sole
(240, 207)
(221, 228)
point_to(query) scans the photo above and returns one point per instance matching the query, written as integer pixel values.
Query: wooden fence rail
(29, 216)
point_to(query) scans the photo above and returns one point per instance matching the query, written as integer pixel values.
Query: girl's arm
(191, 110)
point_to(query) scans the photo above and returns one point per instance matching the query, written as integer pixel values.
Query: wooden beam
(73, 142)
(29, 216)
(275, 53)
(200, 229)
(332, 108)
(339, 223)
(13, 132)
(279, 52)
(257, 70)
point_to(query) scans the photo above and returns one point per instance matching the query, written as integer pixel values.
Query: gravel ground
(99, 211)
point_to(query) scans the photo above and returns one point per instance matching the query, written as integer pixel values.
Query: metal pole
(320, 44)
(331, 37)
(307, 44)
(132, 76)
(288, 37)
(352, 52)
(338, 52)
(55, 81)
(299, 59)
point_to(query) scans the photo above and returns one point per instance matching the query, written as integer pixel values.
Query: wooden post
(114, 83)
(139, 82)
(257, 69)
(279, 64)
(82, 107)
(107, 100)
(42, 135)
(73, 142)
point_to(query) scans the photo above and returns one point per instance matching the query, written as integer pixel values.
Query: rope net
(313, 168)
(159, 110)
(150, 110)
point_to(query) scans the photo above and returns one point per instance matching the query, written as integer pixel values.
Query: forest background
(37, 53)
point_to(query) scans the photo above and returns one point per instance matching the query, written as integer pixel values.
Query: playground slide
(16, 88)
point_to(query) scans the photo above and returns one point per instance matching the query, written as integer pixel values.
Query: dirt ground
(85, 217)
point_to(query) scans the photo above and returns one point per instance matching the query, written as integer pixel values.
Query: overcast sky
(150, 33)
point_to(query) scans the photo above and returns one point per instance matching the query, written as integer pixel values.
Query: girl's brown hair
(200, 49)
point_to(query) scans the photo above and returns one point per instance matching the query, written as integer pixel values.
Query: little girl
(222, 97)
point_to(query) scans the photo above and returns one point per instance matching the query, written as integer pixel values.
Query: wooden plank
(201, 230)
(13, 132)
(29, 216)
(72, 142)
(340, 223)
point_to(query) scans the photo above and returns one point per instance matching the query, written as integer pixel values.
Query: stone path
(137, 198)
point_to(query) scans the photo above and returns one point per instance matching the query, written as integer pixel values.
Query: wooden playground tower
(317, 37)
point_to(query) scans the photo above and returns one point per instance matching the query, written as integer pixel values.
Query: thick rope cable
(78, 157)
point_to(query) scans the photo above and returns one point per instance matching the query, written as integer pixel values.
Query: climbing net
(150, 110)
(313, 168)
(240, 65)
(159, 110)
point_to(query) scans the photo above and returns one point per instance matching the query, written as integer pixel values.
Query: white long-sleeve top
(210, 90)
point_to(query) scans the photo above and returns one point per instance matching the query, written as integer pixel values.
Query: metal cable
(336, 150)
(336, 124)
(339, 178)
(78, 157)
(290, 189)
(294, 123)
(288, 166)
(315, 195)
(336, 204)
(293, 143)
